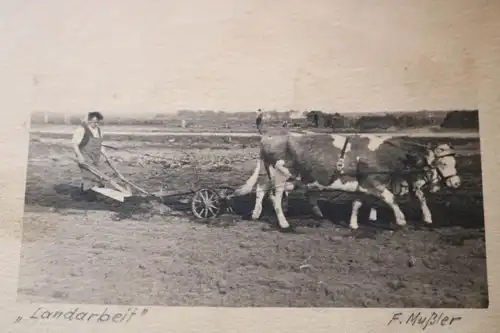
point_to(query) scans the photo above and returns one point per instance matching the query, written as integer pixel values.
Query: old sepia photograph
(299, 208)
(263, 155)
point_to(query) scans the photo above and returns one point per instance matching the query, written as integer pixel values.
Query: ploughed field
(141, 252)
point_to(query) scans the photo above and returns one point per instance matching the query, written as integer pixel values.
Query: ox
(370, 164)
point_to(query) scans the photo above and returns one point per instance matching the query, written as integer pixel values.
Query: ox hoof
(317, 219)
(316, 212)
(401, 222)
(354, 227)
(289, 229)
(255, 217)
(428, 220)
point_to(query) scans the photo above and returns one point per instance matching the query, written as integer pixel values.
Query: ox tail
(250, 183)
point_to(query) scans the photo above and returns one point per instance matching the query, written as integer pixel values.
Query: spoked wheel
(206, 203)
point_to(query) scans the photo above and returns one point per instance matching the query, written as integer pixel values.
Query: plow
(205, 203)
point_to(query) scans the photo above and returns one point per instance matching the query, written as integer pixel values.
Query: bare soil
(141, 252)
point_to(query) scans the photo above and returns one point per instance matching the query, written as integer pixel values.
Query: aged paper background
(125, 56)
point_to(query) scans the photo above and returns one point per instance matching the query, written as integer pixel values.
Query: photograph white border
(18, 61)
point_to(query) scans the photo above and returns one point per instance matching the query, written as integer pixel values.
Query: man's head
(93, 119)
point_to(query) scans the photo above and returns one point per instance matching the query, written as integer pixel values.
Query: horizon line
(156, 113)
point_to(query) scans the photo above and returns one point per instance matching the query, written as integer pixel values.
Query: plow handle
(125, 180)
(101, 175)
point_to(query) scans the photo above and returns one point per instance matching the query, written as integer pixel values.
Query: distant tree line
(461, 119)
(317, 119)
(451, 119)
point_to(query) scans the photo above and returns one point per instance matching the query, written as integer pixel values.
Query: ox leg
(288, 188)
(356, 205)
(426, 212)
(313, 198)
(260, 193)
(373, 215)
(389, 198)
(279, 182)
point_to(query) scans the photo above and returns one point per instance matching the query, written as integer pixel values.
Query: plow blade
(117, 195)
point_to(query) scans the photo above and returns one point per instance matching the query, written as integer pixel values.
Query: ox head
(442, 167)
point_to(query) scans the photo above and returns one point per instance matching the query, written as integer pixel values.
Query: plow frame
(205, 203)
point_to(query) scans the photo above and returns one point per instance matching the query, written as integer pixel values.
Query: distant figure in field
(258, 121)
(316, 120)
(87, 144)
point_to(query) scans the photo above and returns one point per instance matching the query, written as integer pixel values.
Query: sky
(128, 57)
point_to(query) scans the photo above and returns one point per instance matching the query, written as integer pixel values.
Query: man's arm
(77, 139)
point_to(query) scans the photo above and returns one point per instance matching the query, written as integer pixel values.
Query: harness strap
(344, 148)
(340, 163)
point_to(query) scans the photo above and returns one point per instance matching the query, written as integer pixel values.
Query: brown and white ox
(375, 165)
